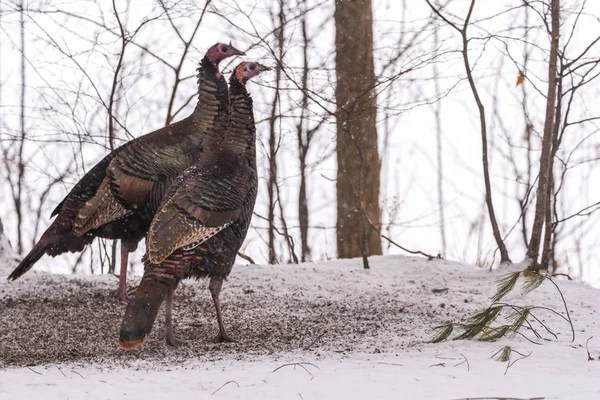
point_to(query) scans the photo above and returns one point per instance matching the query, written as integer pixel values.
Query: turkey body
(200, 225)
(228, 189)
(119, 196)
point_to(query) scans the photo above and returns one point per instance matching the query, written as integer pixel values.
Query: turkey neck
(240, 137)
(212, 93)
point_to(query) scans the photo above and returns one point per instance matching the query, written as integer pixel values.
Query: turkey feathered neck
(211, 84)
(239, 139)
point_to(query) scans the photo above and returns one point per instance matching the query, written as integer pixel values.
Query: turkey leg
(216, 282)
(169, 319)
(122, 289)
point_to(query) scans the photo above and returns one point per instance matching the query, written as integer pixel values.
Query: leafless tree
(358, 175)
(542, 197)
(462, 30)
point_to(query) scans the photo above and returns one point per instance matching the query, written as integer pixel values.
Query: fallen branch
(302, 365)
(32, 370)
(590, 358)
(223, 385)
(315, 341)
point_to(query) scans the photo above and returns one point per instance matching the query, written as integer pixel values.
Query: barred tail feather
(34, 255)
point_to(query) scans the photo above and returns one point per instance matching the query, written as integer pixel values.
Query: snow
(312, 331)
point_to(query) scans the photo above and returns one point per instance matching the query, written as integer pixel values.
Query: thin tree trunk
(115, 82)
(18, 198)
(438, 147)
(358, 180)
(272, 183)
(545, 157)
(504, 258)
(548, 243)
(303, 143)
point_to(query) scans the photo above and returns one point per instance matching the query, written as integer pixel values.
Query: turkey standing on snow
(202, 221)
(118, 198)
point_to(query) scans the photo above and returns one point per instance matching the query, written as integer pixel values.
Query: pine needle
(503, 355)
(479, 322)
(493, 334)
(533, 280)
(443, 333)
(519, 319)
(505, 285)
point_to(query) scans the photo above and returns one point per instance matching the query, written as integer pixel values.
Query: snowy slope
(363, 331)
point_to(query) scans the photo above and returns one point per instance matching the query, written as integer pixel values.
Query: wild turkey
(202, 221)
(118, 197)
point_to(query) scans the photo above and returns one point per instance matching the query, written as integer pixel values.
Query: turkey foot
(223, 337)
(214, 286)
(171, 341)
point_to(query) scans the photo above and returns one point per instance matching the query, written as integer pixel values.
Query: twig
(499, 398)
(32, 370)
(464, 361)
(75, 372)
(297, 365)
(368, 219)
(562, 274)
(566, 308)
(61, 371)
(438, 365)
(590, 358)
(510, 364)
(225, 384)
(315, 340)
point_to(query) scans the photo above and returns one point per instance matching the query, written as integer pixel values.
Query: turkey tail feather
(143, 308)
(34, 255)
(101, 209)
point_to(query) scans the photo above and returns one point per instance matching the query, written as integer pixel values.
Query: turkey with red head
(119, 196)
(202, 221)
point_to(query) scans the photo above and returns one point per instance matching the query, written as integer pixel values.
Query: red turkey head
(221, 51)
(247, 70)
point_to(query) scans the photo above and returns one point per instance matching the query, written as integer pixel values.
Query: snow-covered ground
(314, 331)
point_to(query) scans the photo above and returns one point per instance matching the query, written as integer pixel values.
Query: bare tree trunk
(358, 179)
(504, 258)
(303, 143)
(272, 183)
(548, 243)
(438, 146)
(18, 199)
(545, 157)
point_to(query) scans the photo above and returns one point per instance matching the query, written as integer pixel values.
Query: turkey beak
(263, 68)
(236, 52)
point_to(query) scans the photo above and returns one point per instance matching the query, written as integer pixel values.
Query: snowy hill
(360, 334)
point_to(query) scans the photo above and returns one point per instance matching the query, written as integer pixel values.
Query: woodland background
(404, 91)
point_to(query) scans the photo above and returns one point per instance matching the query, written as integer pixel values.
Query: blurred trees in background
(368, 129)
